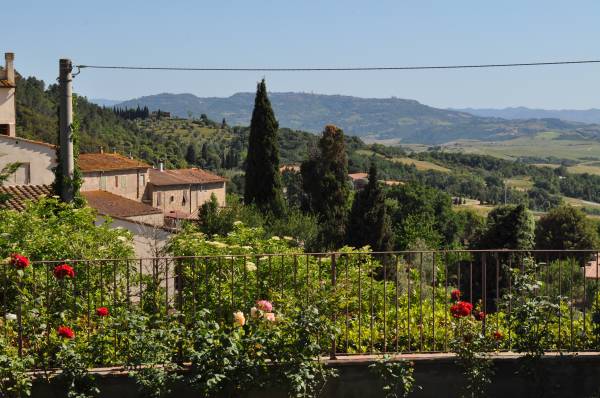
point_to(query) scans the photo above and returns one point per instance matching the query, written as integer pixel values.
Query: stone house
(179, 193)
(7, 97)
(114, 173)
(37, 158)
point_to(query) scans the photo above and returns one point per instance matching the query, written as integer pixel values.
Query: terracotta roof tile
(19, 194)
(359, 176)
(182, 177)
(117, 206)
(89, 162)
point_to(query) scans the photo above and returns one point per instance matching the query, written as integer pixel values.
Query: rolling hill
(521, 112)
(403, 120)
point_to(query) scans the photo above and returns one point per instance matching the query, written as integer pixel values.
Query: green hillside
(378, 118)
(182, 142)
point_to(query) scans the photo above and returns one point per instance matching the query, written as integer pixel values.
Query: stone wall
(440, 377)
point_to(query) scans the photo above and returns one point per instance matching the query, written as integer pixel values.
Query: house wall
(148, 241)
(38, 161)
(151, 219)
(127, 183)
(171, 198)
(7, 109)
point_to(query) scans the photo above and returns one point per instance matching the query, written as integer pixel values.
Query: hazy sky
(285, 33)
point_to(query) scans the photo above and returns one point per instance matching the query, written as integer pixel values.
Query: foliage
(396, 376)
(151, 343)
(74, 377)
(221, 221)
(325, 183)
(421, 213)
(565, 228)
(50, 230)
(263, 180)
(369, 223)
(533, 315)
(259, 353)
(472, 346)
(508, 227)
(15, 381)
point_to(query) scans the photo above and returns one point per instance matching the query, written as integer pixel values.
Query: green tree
(509, 227)
(421, 215)
(190, 155)
(325, 183)
(565, 228)
(263, 179)
(369, 223)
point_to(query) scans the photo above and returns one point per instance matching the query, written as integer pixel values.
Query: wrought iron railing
(380, 302)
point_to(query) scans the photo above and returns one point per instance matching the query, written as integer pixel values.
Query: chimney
(161, 166)
(10, 67)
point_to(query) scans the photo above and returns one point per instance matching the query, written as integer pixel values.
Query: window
(116, 181)
(184, 200)
(158, 198)
(123, 182)
(23, 174)
(172, 199)
(4, 129)
(143, 179)
(103, 183)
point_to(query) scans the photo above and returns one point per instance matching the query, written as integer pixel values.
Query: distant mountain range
(383, 118)
(105, 102)
(572, 115)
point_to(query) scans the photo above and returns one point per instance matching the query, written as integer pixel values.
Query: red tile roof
(117, 206)
(358, 176)
(89, 162)
(182, 177)
(19, 194)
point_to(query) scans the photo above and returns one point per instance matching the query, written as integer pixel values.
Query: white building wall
(38, 161)
(148, 241)
(7, 109)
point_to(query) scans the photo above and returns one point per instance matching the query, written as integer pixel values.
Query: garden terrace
(393, 302)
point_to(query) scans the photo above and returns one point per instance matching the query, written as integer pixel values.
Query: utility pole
(67, 161)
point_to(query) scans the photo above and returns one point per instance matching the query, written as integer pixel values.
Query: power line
(341, 69)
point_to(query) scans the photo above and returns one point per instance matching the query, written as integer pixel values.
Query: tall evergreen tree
(326, 187)
(263, 179)
(190, 155)
(369, 223)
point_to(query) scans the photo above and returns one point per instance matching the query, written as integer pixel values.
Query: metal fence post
(332, 354)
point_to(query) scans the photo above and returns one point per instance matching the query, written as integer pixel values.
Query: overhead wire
(334, 69)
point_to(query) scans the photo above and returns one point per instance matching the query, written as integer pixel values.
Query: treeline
(319, 206)
(131, 114)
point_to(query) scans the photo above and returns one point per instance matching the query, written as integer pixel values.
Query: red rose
(455, 295)
(64, 271)
(65, 332)
(102, 311)
(498, 335)
(21, 262)
(461, 309)
(479, 315)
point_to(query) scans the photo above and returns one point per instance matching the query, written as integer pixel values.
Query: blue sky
(283, 33)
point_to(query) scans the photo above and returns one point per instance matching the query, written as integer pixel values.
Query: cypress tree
(190, 155)
(263, 179)
(369, 223)
(326, 187)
